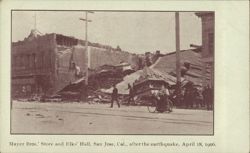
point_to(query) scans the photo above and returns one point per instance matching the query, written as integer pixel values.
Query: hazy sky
(133, 31)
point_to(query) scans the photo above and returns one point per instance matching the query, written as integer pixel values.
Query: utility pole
(35, 24)
(34, 21)
(86, 47)
(178, 72)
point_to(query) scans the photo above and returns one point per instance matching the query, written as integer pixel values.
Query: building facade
(208, 24)
(44, 64)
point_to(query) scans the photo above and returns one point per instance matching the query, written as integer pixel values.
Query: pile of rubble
(104, 77)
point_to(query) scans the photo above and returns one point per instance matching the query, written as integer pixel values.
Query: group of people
(199, 98)
(192, 97)
(161, 96)
(114, 96)
(208, 97)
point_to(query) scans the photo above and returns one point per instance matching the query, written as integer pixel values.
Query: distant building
(207, 20)
(44, 64)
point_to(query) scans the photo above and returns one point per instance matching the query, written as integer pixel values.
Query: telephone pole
(35, 21)
(86, 50)
(35, 25)
(86, 43)
(178, 72)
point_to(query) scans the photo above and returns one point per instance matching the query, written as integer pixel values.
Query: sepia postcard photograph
(112, 72)
(124, 76)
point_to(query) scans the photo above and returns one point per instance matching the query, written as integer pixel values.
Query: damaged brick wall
(65, 72)
(43, 64)
(100, 56)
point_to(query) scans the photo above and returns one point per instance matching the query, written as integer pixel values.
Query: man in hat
(114, 97)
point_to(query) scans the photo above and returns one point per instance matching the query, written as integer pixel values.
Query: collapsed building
(166, 65)
(45, 64)
(164, 71)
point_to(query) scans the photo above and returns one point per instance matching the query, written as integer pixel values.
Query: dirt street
(84, 118)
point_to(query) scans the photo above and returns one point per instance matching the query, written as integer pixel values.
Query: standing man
(114, 97)
(197, 98)
(131, 94)
(210, 97)
(188, 95)
(207, 94)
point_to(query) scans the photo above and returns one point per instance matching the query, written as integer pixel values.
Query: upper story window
(28, 65)
(41, 63)
(33, 60)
